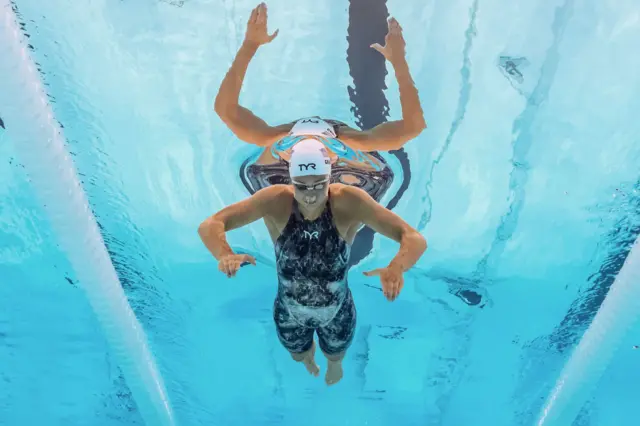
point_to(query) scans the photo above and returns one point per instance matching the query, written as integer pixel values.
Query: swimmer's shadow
(468, 290)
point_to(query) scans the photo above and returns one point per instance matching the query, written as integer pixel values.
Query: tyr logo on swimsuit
(311, 235)
(306, 166)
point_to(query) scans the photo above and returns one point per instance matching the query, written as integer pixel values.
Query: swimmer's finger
(377, 47)
(254, 15)
(372, 273)
(386, 290)
(230, 269)
(391, 293)
(274, 35)
(400, 286)
(394, 293)
(236, 267)
(222, 266)
(260, 16)
(393, 289)
(233, 269)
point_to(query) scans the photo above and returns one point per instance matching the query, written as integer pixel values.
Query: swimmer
(312, 224)
(391, 135)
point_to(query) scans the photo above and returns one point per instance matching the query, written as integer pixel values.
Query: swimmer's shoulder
(344, 198)
(345, 192)
(275, 199)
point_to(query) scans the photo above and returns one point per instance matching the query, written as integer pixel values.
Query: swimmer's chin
(311, 203)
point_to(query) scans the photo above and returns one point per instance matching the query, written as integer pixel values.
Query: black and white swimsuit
(312, 261)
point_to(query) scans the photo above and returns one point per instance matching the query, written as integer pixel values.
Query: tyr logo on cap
(306, 166)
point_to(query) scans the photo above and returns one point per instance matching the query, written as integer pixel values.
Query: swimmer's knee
(298, 356)
(299, 350)
(334, 350)
(335, 357)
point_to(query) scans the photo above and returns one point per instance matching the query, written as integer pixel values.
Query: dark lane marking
(368, 25)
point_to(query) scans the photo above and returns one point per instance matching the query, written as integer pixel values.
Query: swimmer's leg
(336, 337)
(308, 358)
(298, 340)
(334, 368)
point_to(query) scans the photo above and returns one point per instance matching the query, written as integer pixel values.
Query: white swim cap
(312, 126)
(309, 157)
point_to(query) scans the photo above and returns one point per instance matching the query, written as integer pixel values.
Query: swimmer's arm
(384, 221)
(213, 229)
(392, 134)
(241, 121)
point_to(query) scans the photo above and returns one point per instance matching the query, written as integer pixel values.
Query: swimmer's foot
(334, 372)
(309, 361)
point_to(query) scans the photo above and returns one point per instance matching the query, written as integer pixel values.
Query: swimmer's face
(311, 190)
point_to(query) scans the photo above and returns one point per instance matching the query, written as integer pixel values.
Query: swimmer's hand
(257, 27)
(391, 279)
(230, 263)
(393, 48)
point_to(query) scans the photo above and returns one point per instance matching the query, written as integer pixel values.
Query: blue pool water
(526, 185)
